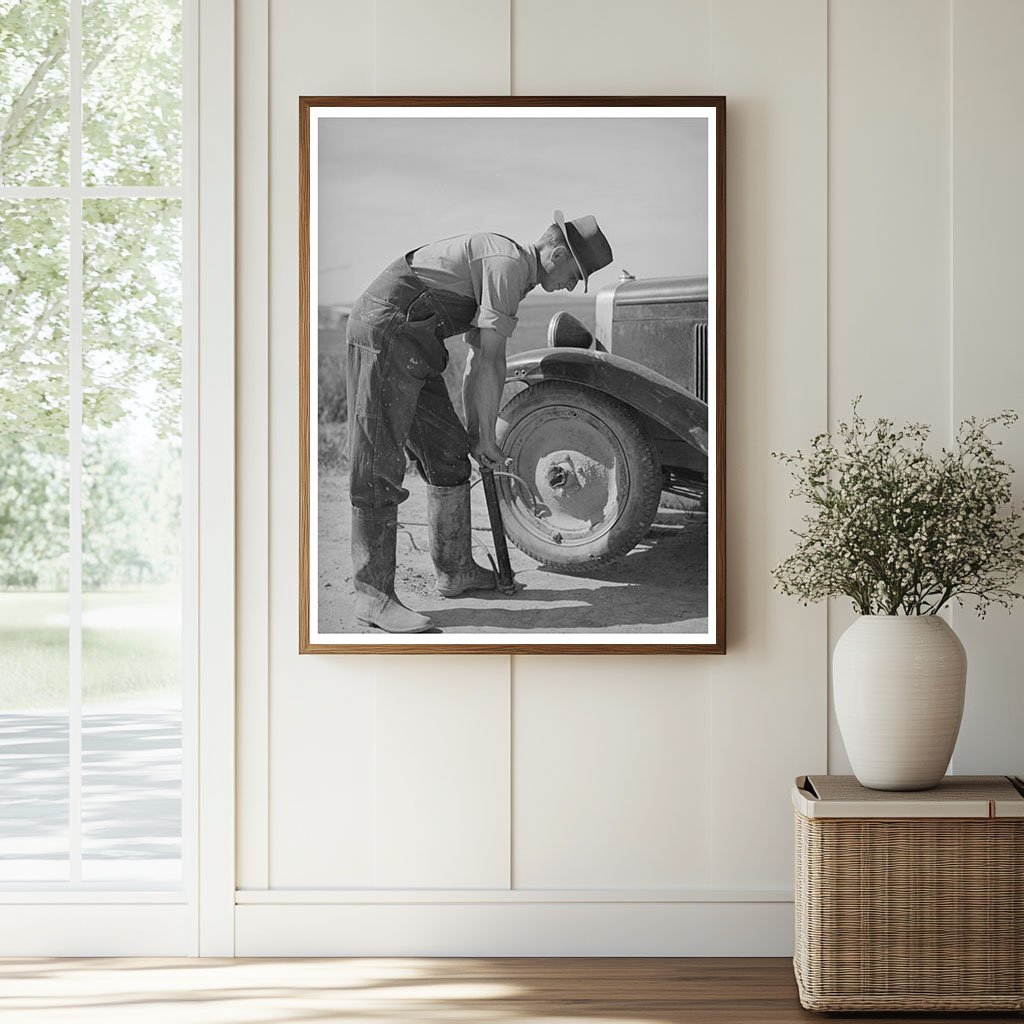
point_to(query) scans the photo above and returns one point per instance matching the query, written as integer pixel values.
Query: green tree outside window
(131, 314)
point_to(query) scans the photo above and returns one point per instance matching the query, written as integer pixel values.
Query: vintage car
(603, 428)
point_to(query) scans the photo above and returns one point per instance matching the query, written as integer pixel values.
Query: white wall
(625, 805)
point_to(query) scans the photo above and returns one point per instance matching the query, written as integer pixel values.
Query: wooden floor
(412, 991)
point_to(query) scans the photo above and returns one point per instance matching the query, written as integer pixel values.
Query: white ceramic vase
(898, 685)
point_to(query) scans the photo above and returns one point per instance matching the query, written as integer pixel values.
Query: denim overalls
(397, 398)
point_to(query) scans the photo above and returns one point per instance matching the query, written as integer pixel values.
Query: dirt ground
(660, 587)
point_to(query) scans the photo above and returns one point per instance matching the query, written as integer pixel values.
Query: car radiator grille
(700, 360)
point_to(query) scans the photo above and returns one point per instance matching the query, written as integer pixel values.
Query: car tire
(584, 483)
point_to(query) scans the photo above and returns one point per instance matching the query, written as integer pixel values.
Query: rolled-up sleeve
(499, 283)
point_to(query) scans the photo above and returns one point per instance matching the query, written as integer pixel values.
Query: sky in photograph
(388, 185)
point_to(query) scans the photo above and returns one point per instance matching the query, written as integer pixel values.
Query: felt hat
(587, 244)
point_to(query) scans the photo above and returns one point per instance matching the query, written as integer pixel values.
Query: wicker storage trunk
(910, 901)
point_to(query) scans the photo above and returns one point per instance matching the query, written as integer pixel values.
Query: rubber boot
(451, 542)
(374, 535)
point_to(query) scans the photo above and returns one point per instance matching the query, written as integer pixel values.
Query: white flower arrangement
(899, 530)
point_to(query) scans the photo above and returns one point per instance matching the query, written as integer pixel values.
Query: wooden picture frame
(382, 176)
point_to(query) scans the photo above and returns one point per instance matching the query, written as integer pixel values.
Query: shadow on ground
(660, 587)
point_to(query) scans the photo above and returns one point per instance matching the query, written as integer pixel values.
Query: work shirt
(493, 270)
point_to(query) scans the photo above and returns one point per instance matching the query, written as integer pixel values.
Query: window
(95, 463)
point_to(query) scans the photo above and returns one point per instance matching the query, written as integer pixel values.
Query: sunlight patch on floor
(221, 991)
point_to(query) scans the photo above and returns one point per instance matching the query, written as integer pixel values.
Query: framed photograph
(512, 375)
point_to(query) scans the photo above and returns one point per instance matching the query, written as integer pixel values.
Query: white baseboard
(99, 928)
(520, 928)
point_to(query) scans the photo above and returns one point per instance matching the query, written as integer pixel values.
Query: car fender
(651, 394)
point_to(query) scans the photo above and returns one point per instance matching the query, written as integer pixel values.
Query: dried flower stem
(897, 529)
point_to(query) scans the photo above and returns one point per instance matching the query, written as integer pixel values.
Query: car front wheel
(585, 482)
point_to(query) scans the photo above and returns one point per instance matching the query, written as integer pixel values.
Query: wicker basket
(910, 901)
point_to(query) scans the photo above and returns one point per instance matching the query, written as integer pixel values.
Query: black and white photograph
(512, 385)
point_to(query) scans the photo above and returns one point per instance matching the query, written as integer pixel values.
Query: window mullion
(75, 303)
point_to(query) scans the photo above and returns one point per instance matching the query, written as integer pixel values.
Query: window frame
(68, 918)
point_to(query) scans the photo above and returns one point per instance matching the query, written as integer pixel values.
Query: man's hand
(490, 456)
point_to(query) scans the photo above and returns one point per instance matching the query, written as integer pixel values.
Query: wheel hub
(558, 475)
(574, 486)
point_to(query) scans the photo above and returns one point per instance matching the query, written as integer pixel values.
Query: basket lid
(957, 796)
